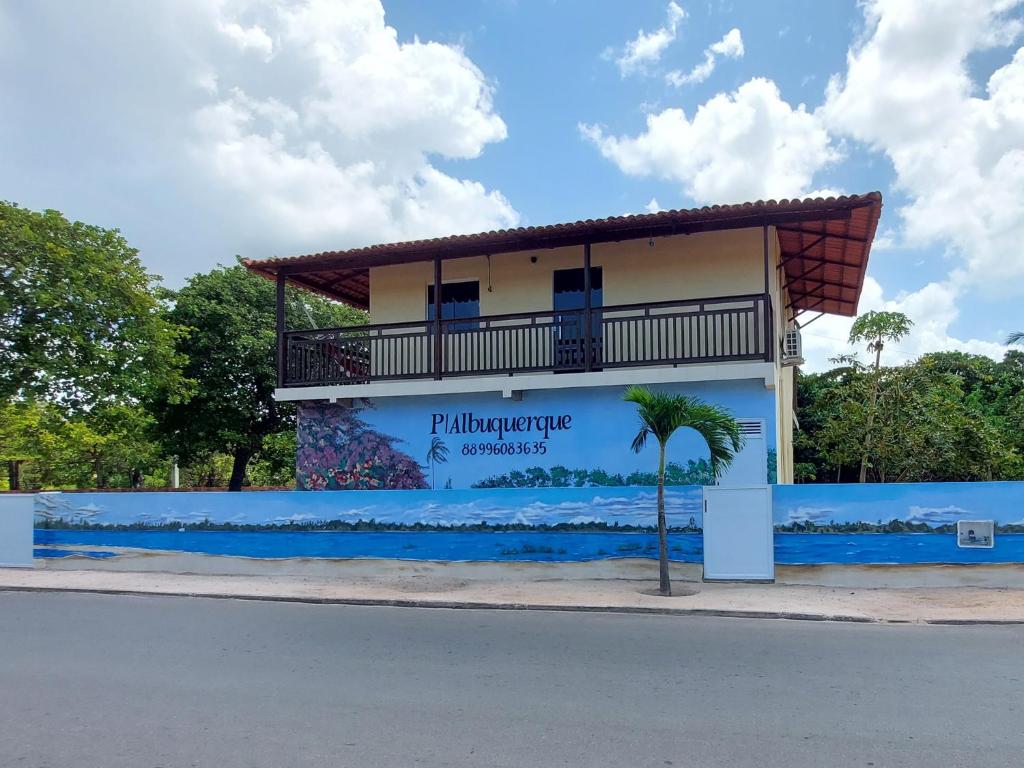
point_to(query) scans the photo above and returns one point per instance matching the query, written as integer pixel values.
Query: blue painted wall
(895, 523)
(815, 524)
(552, 437)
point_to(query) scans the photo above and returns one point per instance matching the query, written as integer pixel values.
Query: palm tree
(436, 454)
(660, 416)
(1015, 338)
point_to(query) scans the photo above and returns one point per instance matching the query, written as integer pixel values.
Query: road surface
(108, 681)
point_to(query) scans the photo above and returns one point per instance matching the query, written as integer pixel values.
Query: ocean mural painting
(814, 524)
(502, 524)
(548, 438)
(895, 523)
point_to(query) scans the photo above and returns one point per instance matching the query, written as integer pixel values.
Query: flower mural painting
(339, 451)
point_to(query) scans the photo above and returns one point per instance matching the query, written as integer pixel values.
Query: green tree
(25, 436)
(230, 348)
(81, 322)
(274, 464)
(436, 454)
(933, 422)
(109, 446)
(661, 415)
(1015, 338)
(876, 328)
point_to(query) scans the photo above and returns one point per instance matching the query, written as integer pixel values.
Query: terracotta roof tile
(844, 227)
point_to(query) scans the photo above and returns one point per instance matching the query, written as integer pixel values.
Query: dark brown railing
(730, 328)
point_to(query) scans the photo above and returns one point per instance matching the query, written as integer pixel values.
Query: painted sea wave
(530, 546)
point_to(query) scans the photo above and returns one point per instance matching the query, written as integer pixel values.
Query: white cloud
(805, 514)
(936, 515)
(739, 146)
(343, 170)
(957, 148)
(268, 127)
(933, 308)
(653, 206)
(730, 46)
(959, 156)
(254, 37)
(646, 48)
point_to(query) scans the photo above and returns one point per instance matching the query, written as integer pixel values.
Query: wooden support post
(769, 324)
(588, 330)
(438, 341)
(282, 349)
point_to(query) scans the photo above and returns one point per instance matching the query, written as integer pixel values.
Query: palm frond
(640, 440)
(662, 414)
(438, 451)
(1015, 338)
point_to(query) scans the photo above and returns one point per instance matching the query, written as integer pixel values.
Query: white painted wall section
(16, 517)
(738, 534)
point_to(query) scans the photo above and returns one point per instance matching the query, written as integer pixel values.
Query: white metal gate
(738, 535)
(750, 466)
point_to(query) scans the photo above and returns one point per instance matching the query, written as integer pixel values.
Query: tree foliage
(876, 328)
(947, 416)
(81, 322)
(229, 345)
(694, 473)
(109, 446)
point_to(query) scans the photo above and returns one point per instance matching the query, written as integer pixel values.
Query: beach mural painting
(896, 523)
(548, 438)
(502, 524)
(814, 524)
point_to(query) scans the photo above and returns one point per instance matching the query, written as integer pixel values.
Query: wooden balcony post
(282, 350)
(769, 330)
(438, 347)
(588, 331)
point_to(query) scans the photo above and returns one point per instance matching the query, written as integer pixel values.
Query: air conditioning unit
(792, 348)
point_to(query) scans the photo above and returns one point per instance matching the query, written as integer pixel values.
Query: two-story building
(511, 373)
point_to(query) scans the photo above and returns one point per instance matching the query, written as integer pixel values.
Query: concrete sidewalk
(473, 585)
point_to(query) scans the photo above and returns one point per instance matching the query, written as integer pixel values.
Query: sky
(205, 129)
(932, 503)
(530, 506)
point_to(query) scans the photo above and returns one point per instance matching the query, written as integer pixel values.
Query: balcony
(672, 333)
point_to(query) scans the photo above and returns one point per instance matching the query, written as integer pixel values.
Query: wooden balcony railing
(729, 328)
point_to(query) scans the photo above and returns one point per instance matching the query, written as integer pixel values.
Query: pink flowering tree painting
(339, 451)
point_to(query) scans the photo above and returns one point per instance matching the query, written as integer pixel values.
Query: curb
(469, 605)
(466, 605)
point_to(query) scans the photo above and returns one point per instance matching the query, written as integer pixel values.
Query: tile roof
(825, 244)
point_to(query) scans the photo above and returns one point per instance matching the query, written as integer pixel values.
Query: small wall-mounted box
(976, 534)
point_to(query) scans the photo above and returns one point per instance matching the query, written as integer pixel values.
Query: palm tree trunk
(871, 413)
(867, 437)
(665, 587)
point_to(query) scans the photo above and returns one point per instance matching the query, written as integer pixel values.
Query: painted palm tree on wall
(661, 415)
(436, 454)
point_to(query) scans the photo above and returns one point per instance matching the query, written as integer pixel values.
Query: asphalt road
(104, 681)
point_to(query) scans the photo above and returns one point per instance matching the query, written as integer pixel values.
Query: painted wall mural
(555, 438)
(895, 523)
(503, 524)
(815, 524)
